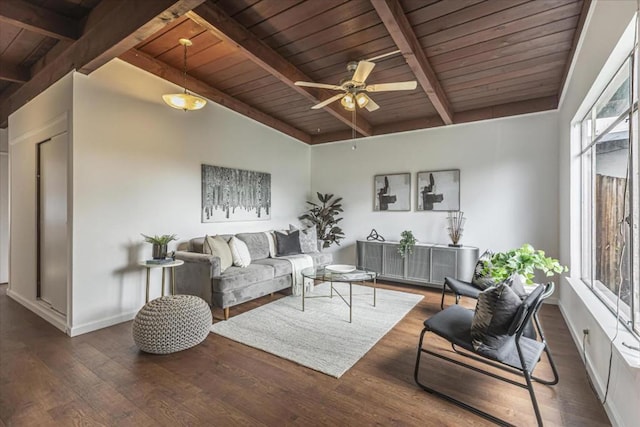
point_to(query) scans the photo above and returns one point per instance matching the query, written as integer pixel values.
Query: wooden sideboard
(427, 265)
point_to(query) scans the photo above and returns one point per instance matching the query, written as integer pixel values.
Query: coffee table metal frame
(321, 274)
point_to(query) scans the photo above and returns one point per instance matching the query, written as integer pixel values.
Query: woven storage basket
(171, 323)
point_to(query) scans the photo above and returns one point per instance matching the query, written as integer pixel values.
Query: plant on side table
(325, 217)
(159, 244)
(407, 242)
(522, 261)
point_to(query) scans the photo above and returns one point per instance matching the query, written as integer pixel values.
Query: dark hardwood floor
(100, 378)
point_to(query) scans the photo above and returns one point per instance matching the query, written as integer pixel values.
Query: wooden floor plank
(101, 378)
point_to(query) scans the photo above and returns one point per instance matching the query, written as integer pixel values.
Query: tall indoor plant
(324, 216)
(523, 261)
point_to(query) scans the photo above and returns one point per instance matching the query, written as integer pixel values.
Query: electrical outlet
(585, 332)
(585, 335)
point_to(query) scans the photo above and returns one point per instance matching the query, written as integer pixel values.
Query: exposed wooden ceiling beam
(227, 29)
(398, 26)
(166, 72)
(13, 73)
(122, 25)
(37, 19)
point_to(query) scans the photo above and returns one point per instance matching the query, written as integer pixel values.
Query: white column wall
(138, 170)
(4, 206)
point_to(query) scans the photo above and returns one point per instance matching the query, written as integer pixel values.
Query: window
(609, 197)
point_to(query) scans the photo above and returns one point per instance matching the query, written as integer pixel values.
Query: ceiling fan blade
(383, 87)
(363, 71)
(327, 101)
(319, 85)
(371, 105)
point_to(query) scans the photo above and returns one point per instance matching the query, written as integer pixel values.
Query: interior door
(52, 221)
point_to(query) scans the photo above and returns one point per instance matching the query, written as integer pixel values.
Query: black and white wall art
(392, 192)
(439, 190)
(235, 194)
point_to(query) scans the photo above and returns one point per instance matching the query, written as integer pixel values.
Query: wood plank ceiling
(473, 59)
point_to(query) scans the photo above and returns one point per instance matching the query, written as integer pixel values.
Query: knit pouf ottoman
(171, 323)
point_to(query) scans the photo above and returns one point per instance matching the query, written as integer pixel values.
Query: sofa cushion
(217, 246)
(281, 267)
(237, 277)
(288, 244)
(308, 238)
(240, 252)
(257, 243)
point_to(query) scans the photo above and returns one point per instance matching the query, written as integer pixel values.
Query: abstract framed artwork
(439, 190)
(392, 192)
(235, 194)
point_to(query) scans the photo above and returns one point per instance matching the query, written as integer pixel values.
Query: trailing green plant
(407, 242)
(523, 261)
(159, 240)
(325, 217)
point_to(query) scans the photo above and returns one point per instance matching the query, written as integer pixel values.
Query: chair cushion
(288, 244)
(494, 313)
(453, 324)
(217, 246)
(481, 279)
(240, 252)
(463, 288)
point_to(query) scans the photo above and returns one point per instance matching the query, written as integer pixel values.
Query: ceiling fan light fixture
(348, 102)
(184, 101)
(362, 100)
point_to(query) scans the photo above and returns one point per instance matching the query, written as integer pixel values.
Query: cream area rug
(321, 337)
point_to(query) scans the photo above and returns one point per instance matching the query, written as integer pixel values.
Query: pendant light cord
(184, 70)
(353, 128)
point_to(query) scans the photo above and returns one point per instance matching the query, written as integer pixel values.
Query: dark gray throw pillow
(288, 244)
(480, 279)
(495, 310)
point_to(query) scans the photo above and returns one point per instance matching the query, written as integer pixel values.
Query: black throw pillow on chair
(494, 313)
(480, 279)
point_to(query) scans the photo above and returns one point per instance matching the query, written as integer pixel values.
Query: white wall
(606, 22)
(508, 174)
(137, 170)
(4, 206)
(45, 116)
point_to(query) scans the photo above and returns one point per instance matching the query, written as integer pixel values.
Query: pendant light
(184, 101)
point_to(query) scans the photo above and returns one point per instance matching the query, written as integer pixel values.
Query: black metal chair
(517, 355)
(460, 288)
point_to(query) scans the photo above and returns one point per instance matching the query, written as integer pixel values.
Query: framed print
(439, 190)
(235, 194)
(392, 192)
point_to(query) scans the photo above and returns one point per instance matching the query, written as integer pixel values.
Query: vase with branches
(324, 216)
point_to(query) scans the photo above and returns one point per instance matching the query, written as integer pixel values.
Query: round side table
(172, 265)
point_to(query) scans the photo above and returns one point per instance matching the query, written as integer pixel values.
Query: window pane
(614, 101)
(636, 221)
(612, 231)
(587, 224)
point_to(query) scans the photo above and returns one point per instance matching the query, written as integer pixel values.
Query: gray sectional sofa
(200, 275)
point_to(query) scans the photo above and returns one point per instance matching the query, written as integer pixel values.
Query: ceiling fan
(354, 89)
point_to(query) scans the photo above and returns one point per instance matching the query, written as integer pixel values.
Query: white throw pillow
(272, 243)
(239, 252)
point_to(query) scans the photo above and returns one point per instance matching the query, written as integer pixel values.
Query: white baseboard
(51, 316)
(102, 323)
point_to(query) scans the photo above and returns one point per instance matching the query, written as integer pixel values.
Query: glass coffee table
(341, 274)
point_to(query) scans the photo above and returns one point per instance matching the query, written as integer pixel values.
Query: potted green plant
(523, 261)
(159, 244)
(407, 242)
(325, 217)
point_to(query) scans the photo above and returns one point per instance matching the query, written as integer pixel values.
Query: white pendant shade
(184, 101)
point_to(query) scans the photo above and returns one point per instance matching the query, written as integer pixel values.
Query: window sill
(607, 322)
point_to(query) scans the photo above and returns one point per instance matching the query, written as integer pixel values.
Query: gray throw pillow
(495, 310)
(308, 238)
(481, 279)
(288, 244)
